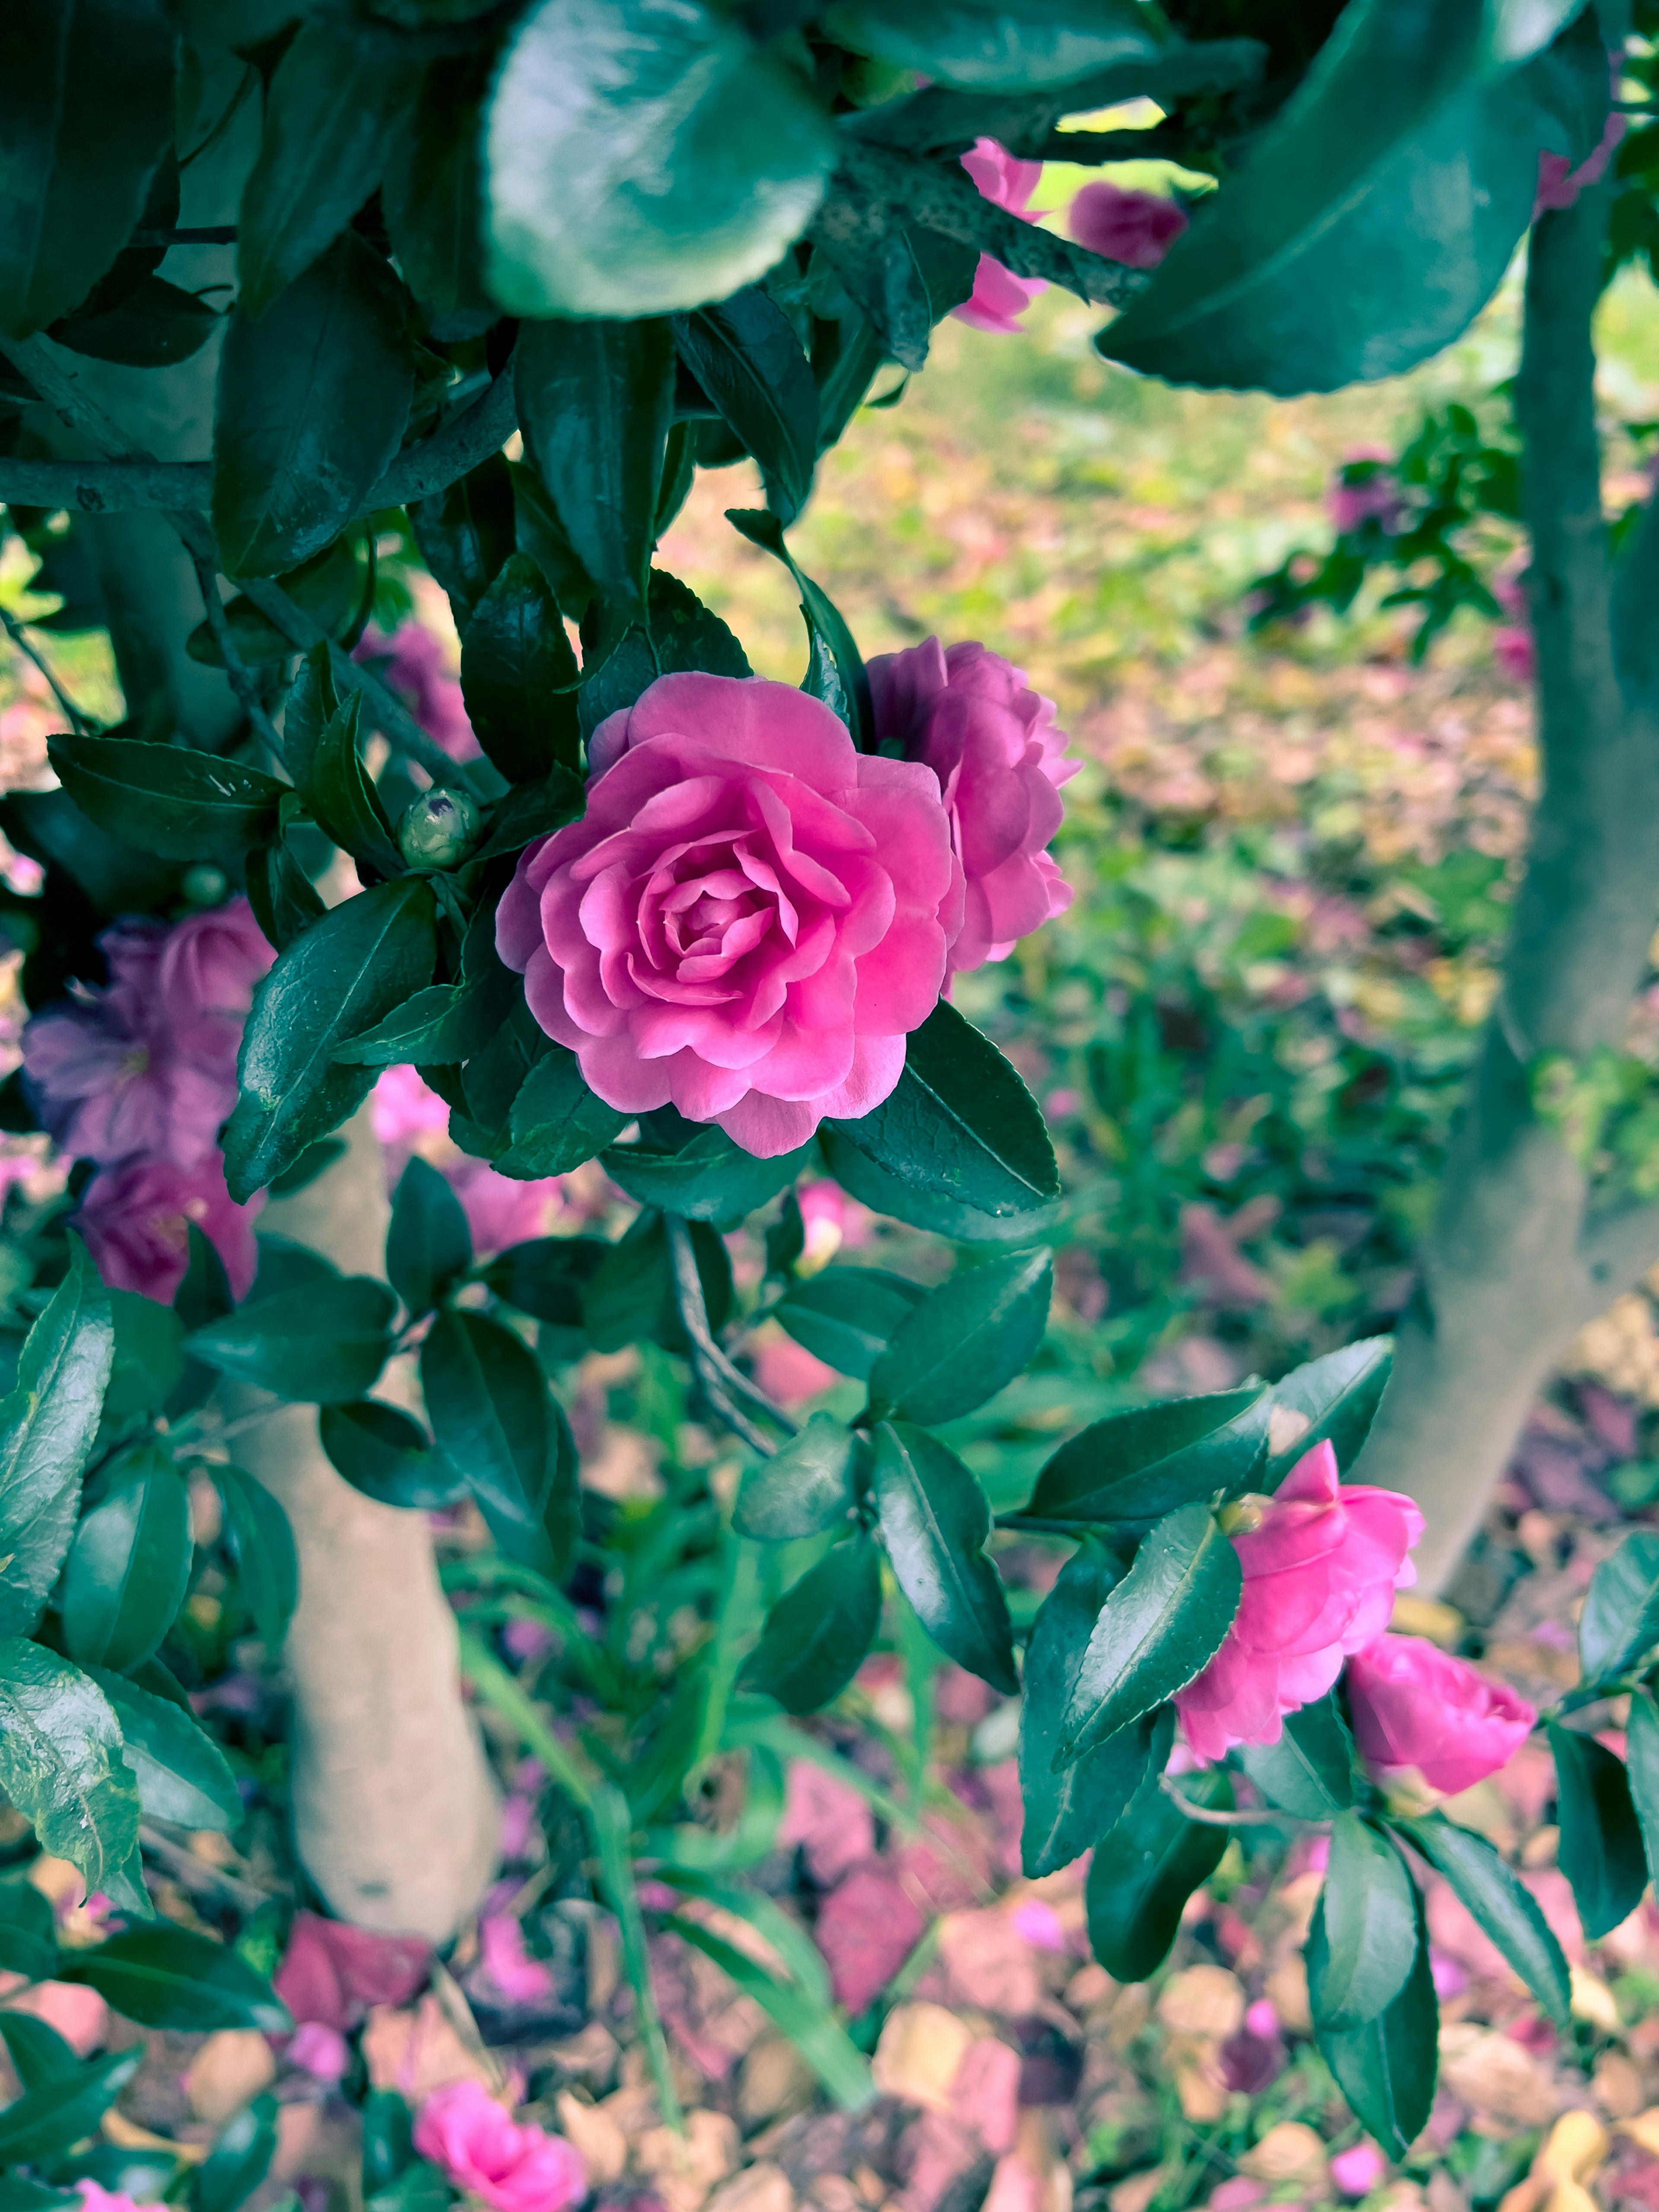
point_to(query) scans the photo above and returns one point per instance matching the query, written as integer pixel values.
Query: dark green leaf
(873, 254)
(345, 974)
(149, 1356)
(128, 1566)
(406, 1033)
(1336, 1399)
(556, 1122)
(965, 1341)
(153, 327)
(28, 1938)
(38, 2052)
(707, 1179)
(58, 2114)
(267, 1565)
(346, 804)
(388, 1455)
(181, 1772)
(496, 1423)
(465, 533)
(61, 1767)
(312, 404)
(185, 806)
(320, 1344)
(531, 810)
(1370, 1914)
(746, 355)
(683, 634)
(832, 641)
(239, 2161)
(1642, 1750)
(1601, 1853)
(883, 1192)
(643, 156)
(935, 1522)
(1503, 1907)
(428, 1244)
(546, 1277)
(519, 675)
(172, 1977)
(203, 1293)
(1308, 1772)
(311, 703)
(1160, 1627)
(808, 1486)
(539, 532)
(1132, 1468)
(848, 1315)
(818, 1633)
(1620, 1619)
(284, 902)
(1386, 2069)
(1148, 1865)
(431, 195)
(388, 2144)
(996, 48)
(630, 1293)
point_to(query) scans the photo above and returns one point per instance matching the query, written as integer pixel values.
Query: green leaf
(965, 1341)
(518, 675)
(181, 1772)
(960, 1124)
(1501, 1904)
(414, 1031)
(556, 1122)
(685, 634)
(837, 673)
(28, 1938)
(859, 1176)
(995, 47)
(708, 1179)
(267, 1565)
(387, 1454)
(313, 399)
(539, 532)
(239, 2161)
(37, 2051)
(320, 1344)
(641, 156)
(847, 1316)
(47, 1427)
(58, 2114)
(284, 902)
(801, 1959)
(149, 1356)
(1642, 1750)
(1159, 1627)
(1132, 1468)
(153, 327)
(1600, 1853)
(746, 355)
(935, 1523)
(1335, 1398)
(1370, 1910)
(497, 1423)
(596, 400)
(346, 804)
(1308, 1772)
(172, 1977)
(1620, 1619)
(807, 1487)
(61, 1767)
(128, 1566)
(86, 110)
(547, 1276)
(428, 1245)
(802, 2015)
(465, 533)
(432, 194)
(346, 972)
(325, 111)
(1069, 1809)
(1386, 2069)
(311, 703)
(185, 806)
(818, 1633)
(1148, 1865)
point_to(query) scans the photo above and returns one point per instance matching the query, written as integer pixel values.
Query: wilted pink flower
(332, 1971)
(466, 2134)
(318, 2051)
(1320, 1569)
(750, 919)
(135, 1219)
(411, 662)
(1000, 297)
(1358, 2170)
(968, 715)
(1417, 1707)
(1363, 489)
(1137, 228)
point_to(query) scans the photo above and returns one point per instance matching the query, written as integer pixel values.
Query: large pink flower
(205, 979)
(749, 920)
(466, 2134)
(1137, 228)
(1320, 1569)
(999, 297)
(1417, 1707)
(135, 1219)
(968, 714)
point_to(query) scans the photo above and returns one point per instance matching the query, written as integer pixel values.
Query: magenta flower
(750, 919)
(999, 297)
(967, 714)
(411, 662)
(1417, 1708)
(135, 1219)
(1358, 2170)
(1321, 1568)
(1363, 491)
(206, 978)
(319, 2051)
(464, 2133)
(1137, 228)
(94, 2197)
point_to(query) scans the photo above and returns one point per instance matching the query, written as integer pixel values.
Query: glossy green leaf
(128, 1566)
(708, 1179)
(746, 356)
(313, 702)
(685, 634)
(802, 2015)
(1641, 1752)
(28, 1933)
(556, 1122)
(1620, 1619)
(1335, 1400)
(1148, 1865)
(345, 974)
(412, 1032)
(1132, 1468)
(1600, 1850)
(432, 195)
(1386, 2068)
(48, 1425)
(345, 802)
(320, 1344)
(239, 2160)
(873, 1186)
(1370, 1909)
(935, 1523)
(181, 1773)
(530, 810)
(267, 1565)
(465, 533)
(996, 48)
(284, 901)
(313, 399)
(518, 675)
(38, 2052)
(965, 1341)
(172, 1977)
(847, 1316)
(811, 1485)
(387, 1454)
(539, 532)
(1160, 1627)
(149, 1356)
(547, 1276)
(1309, 1771)
(165, 798)
(58, 2114)
(818, 1633)
(1501, 1904)
(61, 1767)
(428, 1245)
(643, 156)
(496, 1423)
(841, 681)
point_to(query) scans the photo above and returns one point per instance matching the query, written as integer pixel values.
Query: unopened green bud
(438, 830)
(204, 885)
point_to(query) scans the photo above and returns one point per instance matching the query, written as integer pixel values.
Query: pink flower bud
(1417, 1709)
(1137, 228)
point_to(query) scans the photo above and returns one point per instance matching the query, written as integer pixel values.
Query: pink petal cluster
(408, 1116)
(968, 715)
(1416, 1709)
(749, 920)
(135, 1219)
(1137, 228)
(464, 2133)
(412, 661)
(999, 297)
(1364, 491)
(1320, 1569)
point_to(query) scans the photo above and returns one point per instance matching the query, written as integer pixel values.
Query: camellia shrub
(635, 906)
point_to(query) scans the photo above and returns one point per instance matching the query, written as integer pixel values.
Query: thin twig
(199, 1873)
(80, 723)
(1209, 1818)
(722, 1384)
(242, 679)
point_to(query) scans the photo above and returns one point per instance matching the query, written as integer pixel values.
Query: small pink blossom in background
(824, 1208)
(520, 1978)
(1137, 228)
(525, 1639)
(787, 1372)
(1039, 1924)
(407, 1115)
(211, 963)
(999, 297)
(95, 2198)
(332, 1971)
(831, 1823)
(413, 663)
(1262, 2018)
(318, 2051)
(467, 2137)
(79, 2014)
(968, 715)
(1358, 2170)
(1417, 1709)
(749, 920)
(1448, 1976)
(1515, 655)
(1237, 2194)
(1353, 501)
(402, 1107)
(1320, 1573)
(136, 1219)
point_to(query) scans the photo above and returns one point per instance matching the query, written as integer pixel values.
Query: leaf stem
(17, 632)
(242, 679)
(722, 1383)
(1208, 1817)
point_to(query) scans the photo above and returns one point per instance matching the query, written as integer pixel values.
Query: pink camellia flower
(1137, 228)
(967, 714)
(1417, 1708)
(1321, 1568)
(135, 1219)
(1363, 491)
(411, 663)
(749, 920)
(466, 2135)
(403, 1107)
(1358, 2170)
(999, 297)
(205, 979)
